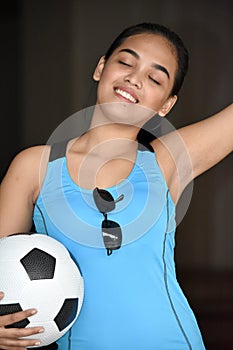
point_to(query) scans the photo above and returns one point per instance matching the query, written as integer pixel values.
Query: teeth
(126, 95)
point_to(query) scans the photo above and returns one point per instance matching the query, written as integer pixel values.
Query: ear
(167, 106)
(99, 68)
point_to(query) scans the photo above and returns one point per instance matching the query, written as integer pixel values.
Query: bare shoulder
(175, 163)
(165, 161)
(28, 168)
(30, 155)
(20, 188)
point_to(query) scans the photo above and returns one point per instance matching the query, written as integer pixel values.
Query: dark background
(48, 52)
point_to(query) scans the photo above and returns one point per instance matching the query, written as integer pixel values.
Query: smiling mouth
(126, 95)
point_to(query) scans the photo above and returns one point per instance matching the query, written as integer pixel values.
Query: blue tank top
(132, 298)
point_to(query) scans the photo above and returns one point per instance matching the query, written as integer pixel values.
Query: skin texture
(108, 149)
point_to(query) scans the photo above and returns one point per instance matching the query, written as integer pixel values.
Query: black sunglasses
(111, 230)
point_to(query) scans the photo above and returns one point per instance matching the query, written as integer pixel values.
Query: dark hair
(172, 37)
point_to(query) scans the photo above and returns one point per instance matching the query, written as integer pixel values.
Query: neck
(110, 141)
(111, 133)
(114, 119)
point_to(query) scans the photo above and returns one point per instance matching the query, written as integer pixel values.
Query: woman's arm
(191, 150)
(19, 190)
(210, 140)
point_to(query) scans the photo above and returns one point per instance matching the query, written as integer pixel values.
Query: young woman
(122, 237)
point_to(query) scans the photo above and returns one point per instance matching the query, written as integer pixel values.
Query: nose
(134, 79)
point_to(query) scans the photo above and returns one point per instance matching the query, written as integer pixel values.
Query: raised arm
(191, 150)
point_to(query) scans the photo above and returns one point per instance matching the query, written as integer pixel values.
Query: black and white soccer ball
(37, 271)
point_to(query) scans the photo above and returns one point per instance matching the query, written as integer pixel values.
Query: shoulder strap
(58, 150)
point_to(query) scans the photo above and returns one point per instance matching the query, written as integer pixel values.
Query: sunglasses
(111, 230)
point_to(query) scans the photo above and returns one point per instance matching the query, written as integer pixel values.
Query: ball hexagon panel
(38, 264)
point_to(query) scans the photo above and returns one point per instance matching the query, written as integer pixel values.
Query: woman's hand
(10, 338)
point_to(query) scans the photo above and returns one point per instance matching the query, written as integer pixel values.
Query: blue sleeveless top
(132, 298)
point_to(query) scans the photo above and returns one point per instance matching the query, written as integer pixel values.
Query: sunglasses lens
(103, 200)
(112, 234)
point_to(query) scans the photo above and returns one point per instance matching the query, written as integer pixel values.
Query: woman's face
(140, 71)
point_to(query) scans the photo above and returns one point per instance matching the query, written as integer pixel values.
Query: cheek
(103, 89)
(104, 81)
(155, 97)
(107, 80)
(160, 94)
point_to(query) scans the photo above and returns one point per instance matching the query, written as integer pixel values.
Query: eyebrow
(154, 65)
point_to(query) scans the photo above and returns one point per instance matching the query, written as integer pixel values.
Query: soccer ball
(37, 271)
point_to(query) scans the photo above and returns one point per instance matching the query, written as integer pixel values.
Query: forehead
(150, 39)
(153, 48)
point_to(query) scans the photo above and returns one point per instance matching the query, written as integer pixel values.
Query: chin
(124, 113)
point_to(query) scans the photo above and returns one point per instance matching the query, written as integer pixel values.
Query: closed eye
(154, 80)
(124, 63)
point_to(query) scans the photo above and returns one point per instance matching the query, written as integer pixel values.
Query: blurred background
(49, 49)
